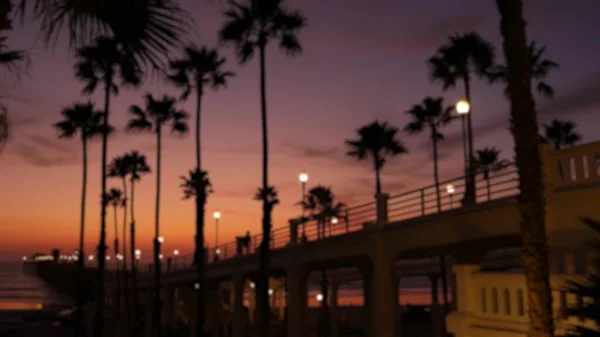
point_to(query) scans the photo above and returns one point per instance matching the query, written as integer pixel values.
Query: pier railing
(499, 183)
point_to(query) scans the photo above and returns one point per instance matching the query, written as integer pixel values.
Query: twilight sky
(362, 60)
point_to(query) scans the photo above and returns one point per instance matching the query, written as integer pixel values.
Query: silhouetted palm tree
(114, 197)
(431, 115)
(195, 70)
(540, 66)
(101, 64)
(136, 166)
(487, 161)
(154, 118)
(12, 59)
(524, 127)
(147, 29)
(561, 134)
(119, 168)
(83, 121)
(377, 141)
(252, 24)
(463, 57)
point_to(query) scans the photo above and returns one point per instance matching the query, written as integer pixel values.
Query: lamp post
(450, 189)
(303, 177)
(334, 221)
(217, 216)
(463, 107)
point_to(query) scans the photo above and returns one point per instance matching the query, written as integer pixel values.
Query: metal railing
(412, 204)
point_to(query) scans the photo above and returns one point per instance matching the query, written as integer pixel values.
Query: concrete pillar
(382, 208)
(294, 223)
(193, 312)
(436, 320)
(465, 302)
(281, 301)
(298, 302)
(335, 315)
(381, 294)
(238, 305)
(214, 303)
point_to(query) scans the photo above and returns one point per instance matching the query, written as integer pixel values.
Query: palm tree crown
(197, 68)
(195, 181)
(561, 134)
(81, 119)
(114, 197)
(148, 29)
(430, 114)
(156, 114)
(252, 23)
(136, 165)
(463, 56)
(377, 141)
(488, 160)
(104, 60)
(540, 67)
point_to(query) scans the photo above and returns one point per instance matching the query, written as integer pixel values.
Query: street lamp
(463, 107)
(252, 285)
(217, 216)
(176, 252)
(450, 189)
(24, 258)
(303, 177)
(319, 297)
(161, 239)
(91, 257)
(160, 256)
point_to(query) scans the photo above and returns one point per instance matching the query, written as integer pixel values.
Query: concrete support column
(436, 313)
(298, 302)
(214, 303)
(464, 287)
(192, 313)
(335, 315)
(238, 305)
(382, 208)
(281, 302)
(381, 297)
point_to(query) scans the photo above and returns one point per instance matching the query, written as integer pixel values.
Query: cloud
(41, 151)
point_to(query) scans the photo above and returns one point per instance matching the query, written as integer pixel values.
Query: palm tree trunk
(200, 203)
(470, 193)
(157, 306)
(124, 238)
(377, 181)
(324, 328)
(198, 125)
(134, 265)
(531, 199)
(81, 257)
(436, 178)
(99, 322)
(263, 285)
(117, 271)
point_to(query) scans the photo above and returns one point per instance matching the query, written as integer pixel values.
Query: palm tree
(487, 161)
(524, 127)
(320, 202)
(84, 121)
(379, 142)
(197, 69)
(540, 68)
(431, 114)
(561, 134)
(12, 59)
(135, 165)
(147, 29)
(153, 119)
(252, 24)
(114, 197)
(458, 61)
(101, 63)
(119, 168)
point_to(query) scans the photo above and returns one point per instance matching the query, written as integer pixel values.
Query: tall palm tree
(101, 63)
(195, 70)
(320, 202)
(154, 118)
(561, 134)
(487, 161)
(148, 29)
(136, 165)
(252, 24)
(114, 197)
(377, 141)
(540, 69)
(84, 121)
(432, 115)
(524, 127)
(463, 57)
(119, 167)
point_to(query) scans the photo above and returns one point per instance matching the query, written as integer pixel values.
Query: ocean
(19, 291)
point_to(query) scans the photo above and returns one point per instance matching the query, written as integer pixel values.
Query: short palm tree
(540, 68)
(462, 58)
(524, 127)
(114, 197)
(84, 121)
(432, 115)
(102, 63)
(119, 168)
(147, 29)
(377, 141)
(487, 161)
(251, 25)
(156, 115)
(136, 165)
(561, 134)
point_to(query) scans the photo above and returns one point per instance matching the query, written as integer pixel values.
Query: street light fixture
(450, 189)
(91, 257)
(319, 297)
(161, 239)
(176, 252)
(217, 216)
(463, 107)
(303, 178)
(24, 258)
